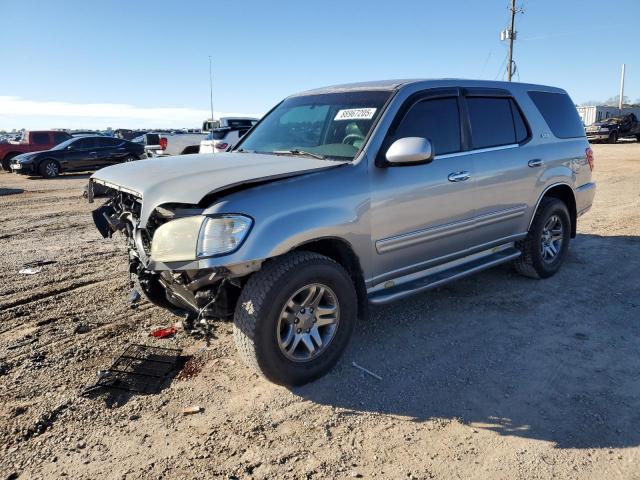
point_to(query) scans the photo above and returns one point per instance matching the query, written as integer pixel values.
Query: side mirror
(410, 151)
(70, 147)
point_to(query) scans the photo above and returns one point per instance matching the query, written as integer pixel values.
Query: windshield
(333, 125)
(65, 144)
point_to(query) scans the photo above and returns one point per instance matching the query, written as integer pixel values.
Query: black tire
(613, 137)
(130, 158)
(6, 161)
(531, 263)
(638, 138)
(263, 298)
(49, 169)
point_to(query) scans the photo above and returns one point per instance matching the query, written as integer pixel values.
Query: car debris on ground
(192, 410)
(164, 332)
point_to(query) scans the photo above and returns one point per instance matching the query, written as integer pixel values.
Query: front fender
(288, 213)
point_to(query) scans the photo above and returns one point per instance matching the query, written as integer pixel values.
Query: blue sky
(93, 64)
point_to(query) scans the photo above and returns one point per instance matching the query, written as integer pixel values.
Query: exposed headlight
(221, 235)
(189, 238)
(176, 240)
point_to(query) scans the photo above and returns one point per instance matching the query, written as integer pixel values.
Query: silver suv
(350, 195)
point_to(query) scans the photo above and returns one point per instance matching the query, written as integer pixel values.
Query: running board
(445, 276)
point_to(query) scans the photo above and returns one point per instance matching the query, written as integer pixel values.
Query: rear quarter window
(560, 114)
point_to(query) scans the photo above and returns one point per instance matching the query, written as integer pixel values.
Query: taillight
(221, 146)
(589, 156)
(163, 143)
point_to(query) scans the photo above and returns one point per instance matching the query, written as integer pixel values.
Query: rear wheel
(613, 137)
(546, 245)
(294, 317)
(49, 169)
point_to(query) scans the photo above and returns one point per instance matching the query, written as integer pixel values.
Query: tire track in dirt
(49, 294)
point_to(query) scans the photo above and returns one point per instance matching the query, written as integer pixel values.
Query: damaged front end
(179, 284)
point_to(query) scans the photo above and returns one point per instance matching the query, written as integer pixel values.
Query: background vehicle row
(77, 154)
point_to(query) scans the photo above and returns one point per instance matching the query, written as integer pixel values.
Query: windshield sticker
(355, 114)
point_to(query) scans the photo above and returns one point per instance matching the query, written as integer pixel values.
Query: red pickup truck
(31, 142)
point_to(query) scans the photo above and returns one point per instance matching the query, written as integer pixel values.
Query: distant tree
(614, 101)
(590, 103)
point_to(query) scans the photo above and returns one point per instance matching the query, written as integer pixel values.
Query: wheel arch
(342, 252)
(563, 192)
(41, 162)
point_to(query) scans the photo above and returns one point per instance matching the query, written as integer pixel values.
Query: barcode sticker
(355, 114)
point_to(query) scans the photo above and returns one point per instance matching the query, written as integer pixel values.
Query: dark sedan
(77, 154)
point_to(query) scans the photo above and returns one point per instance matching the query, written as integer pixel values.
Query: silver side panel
(401, 241)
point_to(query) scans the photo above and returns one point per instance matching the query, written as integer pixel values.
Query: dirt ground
(494, 377)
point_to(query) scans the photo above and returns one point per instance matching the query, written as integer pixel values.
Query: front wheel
(295, 317)
(49, 169)
(613, 137)
(547, 243)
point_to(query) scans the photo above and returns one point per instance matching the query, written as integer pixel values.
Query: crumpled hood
(189, 178)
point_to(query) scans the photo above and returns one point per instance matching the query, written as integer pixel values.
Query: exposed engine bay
(200, 293)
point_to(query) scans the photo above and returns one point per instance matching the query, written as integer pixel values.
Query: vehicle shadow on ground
(10, 191)
(555, 360)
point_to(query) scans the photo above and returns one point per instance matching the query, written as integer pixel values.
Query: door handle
(535, 163)
(459, 176)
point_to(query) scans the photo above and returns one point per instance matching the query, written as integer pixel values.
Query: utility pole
(211, 90)
(512, 34)
(621, 100)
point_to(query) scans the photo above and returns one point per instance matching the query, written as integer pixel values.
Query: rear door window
(40, 138)
(84, 144)
(495, 122)
(491, 122)
(560, 113)
(437, 120)
(106, 142)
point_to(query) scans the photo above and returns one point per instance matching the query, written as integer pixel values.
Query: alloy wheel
(308, 322)
(552, 238)
(52, 169)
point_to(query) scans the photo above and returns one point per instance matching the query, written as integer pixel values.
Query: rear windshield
(241, 122)
(560, 114)
(218, 134)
